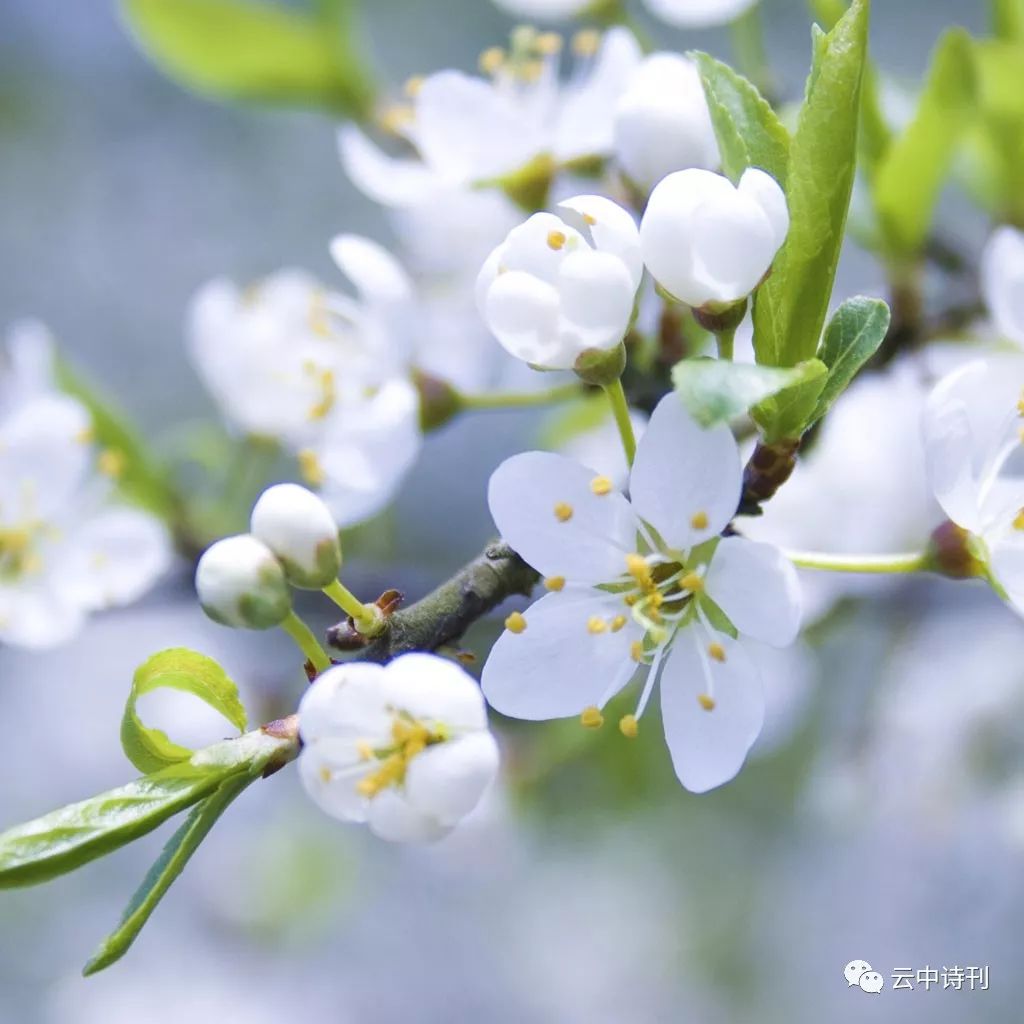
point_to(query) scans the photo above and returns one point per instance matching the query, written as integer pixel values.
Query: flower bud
(662, 122)
(240, 583)
(301, 532)
(707, 241)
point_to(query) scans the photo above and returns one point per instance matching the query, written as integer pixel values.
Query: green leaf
(164, 871)
(852, 337)
(748, 131)
(148, 748)
(141, 479)
(789, 413)
(790, 307)
(998, 68)
(1008, 19)
(911, 173)
(253, 50)
(718, 390)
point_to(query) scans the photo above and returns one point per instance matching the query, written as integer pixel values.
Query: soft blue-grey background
(589, 900)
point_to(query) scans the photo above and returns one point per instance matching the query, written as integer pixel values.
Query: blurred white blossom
(1002, 281)
(698, 13)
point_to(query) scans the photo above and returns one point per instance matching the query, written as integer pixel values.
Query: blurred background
(883, 818)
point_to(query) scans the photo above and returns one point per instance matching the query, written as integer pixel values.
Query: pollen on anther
(364, 750)
(563, 511)
(1018, 520)
(629, 726)
(589, 219)
(586, 42)
(693, 582)
(601, 485)
(556, 240)
(717, 651)
(325, 774)
(413, 86)
(699, 520)
(636, 650)
(548, 44)
(595, 625)
(706, 701)
(515, 623)
(492, 60)
(617, 623)
(591, 718)
(310, 467)
(554, 583)
(111, 462)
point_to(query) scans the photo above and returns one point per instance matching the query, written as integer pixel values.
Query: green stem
(364, 619)
(725, 341)
(521, 399)
(306, 642)
(748, 47)
(903, 562)
(620, 410)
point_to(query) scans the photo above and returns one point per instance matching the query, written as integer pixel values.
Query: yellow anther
(1020, 404)
(636, 650)
(397, 118)
(617, 623)
(589, 219)
(586, 42)
(656, 599)
(548, 44)
(601, 485)
(86, 435)
(311, 468)
(637, 567)
(556, 240)
(693, 582)
(1018, 520)
(492, 60)
(112, 462)
(699, 520)
(595, 625)
(320, 409)
(630, 599)
(629, 726)
(706, 701)
(717, 651)
(318, 322)
(364, 750)
(554, 583)
(325, 774)
(563, 511)
(591, 718)
(413, 86)
(530, 71)
(515, 623)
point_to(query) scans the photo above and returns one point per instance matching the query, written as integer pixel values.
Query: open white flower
(973, 426)
(562, 285)
(707, 241)
(1002, 281)
(325, 375)
(468, 130)
(403, 747)
(698, 13)
(662, 122)
(645, 582)
(67, 546)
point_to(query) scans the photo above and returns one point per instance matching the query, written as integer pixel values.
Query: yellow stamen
(413, 86)
(717, 651)
(629, 726)
(630, 599)
(86, 435)
(556, 240)
(706, 701)
(591, 718)
(492, 60)
(693, 582)
(699, 520)
(554, 583)
(586, 42)
(617, 623)
(589, 219)
(563, 512)
(396, 118)
(325, 774)
(311, 468)
(320, 410)
(636, 650)
(595, 624)
(364, 750)
(1018, 520)
(112, 463)
(601, 485)
(548, 44)
(515, 623)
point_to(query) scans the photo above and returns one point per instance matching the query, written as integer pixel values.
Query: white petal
(1007, 565)
(764, 190)
(590, 546)
(596, 295)
(523, 313)
(698, 13)
(682, 470)
(345, 702)
(436, 690)
(114, 558)
(1002, 281)
(556, 667)
(528, 248)
(27, 371)
(708, 748)
(387, 180)
(393, 818)
(612, 229)
(447, 780)
(330, 782)
(757, 588)
(36, 615)
(543, 10)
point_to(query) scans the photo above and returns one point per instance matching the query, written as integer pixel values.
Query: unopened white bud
(706, 241)
(662, 122)
(240, 583)
(299, 529)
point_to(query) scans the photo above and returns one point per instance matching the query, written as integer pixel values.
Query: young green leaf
(718, 390)
(165, 870)
(748, 131)
(148, 748)
(254, 50)
(911, 173)
(788, 413)
(790, 307)
(1008, 19)
(852, 337)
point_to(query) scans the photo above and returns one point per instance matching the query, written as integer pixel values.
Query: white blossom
(326, 375)
(403, 747)
(544, 10)
(301, 532)
(662, 122)
(707, 241)
(562, 285)
(973, 438)
(600, 446)
(240, 583)
(643, 583)
(1002, 281)
(698, 13)
(68, 546)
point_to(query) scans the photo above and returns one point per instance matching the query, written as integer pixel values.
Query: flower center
(18, 551)
(409, 737)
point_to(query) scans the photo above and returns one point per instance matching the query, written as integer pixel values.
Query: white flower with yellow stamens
(974, 449)
(647, 583)
(469, 131)
(326, 375)
(403, 747)
(561, 286)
